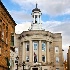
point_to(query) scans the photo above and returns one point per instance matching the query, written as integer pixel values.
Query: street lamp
(16, 61)
(23, 64)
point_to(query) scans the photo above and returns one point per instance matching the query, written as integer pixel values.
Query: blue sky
(13, 5)
(55, 16)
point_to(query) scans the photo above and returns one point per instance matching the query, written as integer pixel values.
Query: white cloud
(51, 7)
(21, 16)
(24, 26)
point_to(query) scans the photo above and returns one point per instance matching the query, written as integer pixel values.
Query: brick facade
(7, 26)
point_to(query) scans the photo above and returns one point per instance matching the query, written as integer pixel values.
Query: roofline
(7, 12)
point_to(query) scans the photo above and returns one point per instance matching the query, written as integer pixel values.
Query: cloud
(20, 16)
(60, 27)
(54, 27)
(24, 26)
(51, 7)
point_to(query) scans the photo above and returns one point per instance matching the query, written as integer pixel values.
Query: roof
(36, 9)
(7, 12)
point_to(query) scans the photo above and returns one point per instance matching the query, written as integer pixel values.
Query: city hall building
(39, 49)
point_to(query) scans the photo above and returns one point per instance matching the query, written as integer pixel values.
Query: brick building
(7, 29)
(40, 49)
(68, 59)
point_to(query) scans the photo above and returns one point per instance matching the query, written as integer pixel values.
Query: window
(6, 34)
(16, 50)
(27, 58)
(2, 34)
(35, 57)
(3, 26)
(57, 68)
(56, 49)
(43, 46)
(43, 58)
(6, 41)
(35, 46)
(27, 46)
(12, 39)
(57, 59)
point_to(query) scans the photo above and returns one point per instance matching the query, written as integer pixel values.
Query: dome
(36, 9)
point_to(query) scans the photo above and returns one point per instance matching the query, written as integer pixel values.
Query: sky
(55, 16)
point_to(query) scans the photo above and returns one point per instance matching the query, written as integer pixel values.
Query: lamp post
(16, 61)
(23, 64)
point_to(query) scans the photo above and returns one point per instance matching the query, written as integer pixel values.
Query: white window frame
(27, 57)
(45, 58)
(36, 46)
(57, 59)
(56, 49)
(44, 46)
(57, 68)
(27, 43)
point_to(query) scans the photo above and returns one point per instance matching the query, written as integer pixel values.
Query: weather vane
(36, 4)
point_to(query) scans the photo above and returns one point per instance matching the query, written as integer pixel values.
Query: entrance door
(34, 68)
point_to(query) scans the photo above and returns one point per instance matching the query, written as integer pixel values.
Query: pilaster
(31, 52)
(40, 51)
(24, 52)
(48, 58)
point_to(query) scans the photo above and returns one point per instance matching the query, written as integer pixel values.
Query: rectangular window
(43, 58)
(2, 34)
(6, 41)
(35, 46)
(57, 59)
(56, 49)
(43, 46)
(27, 46)
(35, 57)
(3, 26)
(12, 39)
(6, 34)
(27, 58)
(57, 68)
(16, 50)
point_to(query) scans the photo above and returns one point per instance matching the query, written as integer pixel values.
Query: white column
(40, 52)
(48, 58)
(40, 19)
(31, 52)
(34, 19)
(24, 52)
